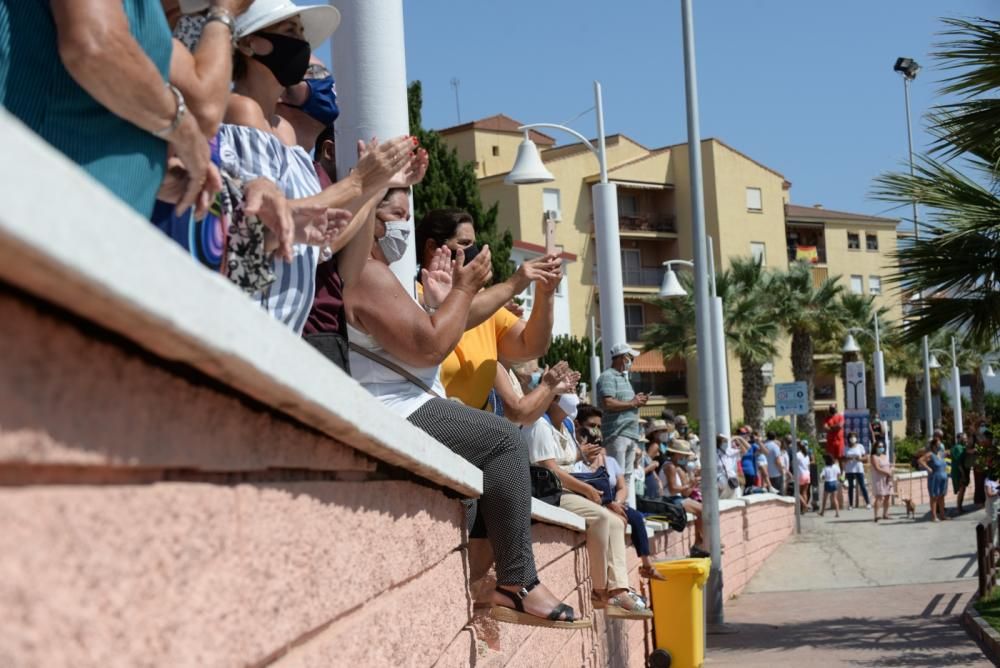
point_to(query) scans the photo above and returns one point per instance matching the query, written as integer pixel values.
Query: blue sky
(805, 87)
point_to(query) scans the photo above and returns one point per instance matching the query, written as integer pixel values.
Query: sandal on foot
(650, 573)
(561, 617)
(627, 606)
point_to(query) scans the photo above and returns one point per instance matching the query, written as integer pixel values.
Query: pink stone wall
(151, 517)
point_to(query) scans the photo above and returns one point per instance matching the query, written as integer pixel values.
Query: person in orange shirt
(492, 332)
(835, 435)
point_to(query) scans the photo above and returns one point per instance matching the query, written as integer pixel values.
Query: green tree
(954, 265)
(452, 183)
(806, 312)
(575, 351)
(750, 327)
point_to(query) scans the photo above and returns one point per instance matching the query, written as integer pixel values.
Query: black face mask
(470, 253)
(288, 60)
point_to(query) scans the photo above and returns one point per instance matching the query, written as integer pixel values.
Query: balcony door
(631, 267)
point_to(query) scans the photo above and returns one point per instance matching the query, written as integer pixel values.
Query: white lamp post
(956, 381)
(529, 168)
(671, 287)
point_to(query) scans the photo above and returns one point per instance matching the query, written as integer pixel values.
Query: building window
(853, 241)
(628, 205)
(871, 242)
(496, 150)
(635, 322)
(631, 267)
(551, 201)
(857, 284)
(755, 200)
(758, 250)
(875, 285)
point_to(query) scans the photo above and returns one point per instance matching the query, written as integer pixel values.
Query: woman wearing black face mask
(275, 38)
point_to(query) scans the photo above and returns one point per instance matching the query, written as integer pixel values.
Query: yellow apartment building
(747, 213)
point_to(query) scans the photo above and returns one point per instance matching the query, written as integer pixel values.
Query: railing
(824, 392)
(647, 222)
(646, 277)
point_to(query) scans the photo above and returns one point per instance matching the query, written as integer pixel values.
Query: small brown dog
(911, 508)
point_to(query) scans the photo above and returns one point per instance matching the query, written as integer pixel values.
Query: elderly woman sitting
(396, 347)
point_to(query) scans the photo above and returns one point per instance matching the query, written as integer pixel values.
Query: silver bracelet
(178, 114)
(224, 17)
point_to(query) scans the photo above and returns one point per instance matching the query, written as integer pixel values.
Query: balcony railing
(643, 277)
(793, 253)
(647, 222)
(633, 333)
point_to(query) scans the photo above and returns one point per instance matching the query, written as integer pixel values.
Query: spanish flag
(807, 253)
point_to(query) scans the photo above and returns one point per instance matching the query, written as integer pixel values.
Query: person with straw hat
(680, 486)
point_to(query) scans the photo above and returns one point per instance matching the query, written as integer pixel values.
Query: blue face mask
(536, 377)
(322, 102)
(663, 448)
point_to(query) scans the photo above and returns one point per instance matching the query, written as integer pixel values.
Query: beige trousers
(605, 542)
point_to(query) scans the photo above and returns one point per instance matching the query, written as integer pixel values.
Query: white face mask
(628, 365)
(393, 244)
(854, 439)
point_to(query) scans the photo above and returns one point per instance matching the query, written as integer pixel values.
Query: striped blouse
(248, 153)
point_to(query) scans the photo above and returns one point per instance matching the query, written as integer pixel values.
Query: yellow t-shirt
(469, 371)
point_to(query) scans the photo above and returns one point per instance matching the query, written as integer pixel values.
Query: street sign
(854, 375)
(890, 408)
(791, 398)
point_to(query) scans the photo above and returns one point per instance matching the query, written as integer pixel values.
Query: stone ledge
(754, 499)
(544, 512)
(155, 295)
(980, 631)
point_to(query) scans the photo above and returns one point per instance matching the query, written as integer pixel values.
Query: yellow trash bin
(679, 610)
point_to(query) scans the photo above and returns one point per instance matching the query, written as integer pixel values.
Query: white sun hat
(318, 21)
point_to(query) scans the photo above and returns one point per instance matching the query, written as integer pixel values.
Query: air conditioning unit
(551, 214)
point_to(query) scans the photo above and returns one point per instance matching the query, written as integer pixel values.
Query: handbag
(392, 366)
(545, 485)
(598, 480)
(671, 513)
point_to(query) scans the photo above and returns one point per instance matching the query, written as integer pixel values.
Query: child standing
(831, 485)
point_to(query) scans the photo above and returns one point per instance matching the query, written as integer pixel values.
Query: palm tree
(956, 265)
(750, 328)
(806, 311)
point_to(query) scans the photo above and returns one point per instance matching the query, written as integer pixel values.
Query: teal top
(35, 87)
(615, 384)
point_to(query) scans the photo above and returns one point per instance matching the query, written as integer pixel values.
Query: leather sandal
(561, 617)
(650, 573)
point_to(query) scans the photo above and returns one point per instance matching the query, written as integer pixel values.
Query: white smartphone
(193, 6)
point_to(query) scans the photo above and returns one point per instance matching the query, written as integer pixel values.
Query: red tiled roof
(499, 123)
(796, 212)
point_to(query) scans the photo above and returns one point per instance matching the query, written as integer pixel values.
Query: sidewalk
(849, 592)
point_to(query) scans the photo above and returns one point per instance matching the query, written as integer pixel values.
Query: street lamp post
(956, 382)
(908, 68)
(529, 168)
(703, 326)
(671, 287)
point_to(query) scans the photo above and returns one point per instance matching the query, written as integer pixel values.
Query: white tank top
(397, 393)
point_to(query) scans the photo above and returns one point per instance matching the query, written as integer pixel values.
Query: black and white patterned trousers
(494, 446)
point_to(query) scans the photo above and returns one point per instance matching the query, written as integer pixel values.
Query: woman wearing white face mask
(855, 470)
(396, 347)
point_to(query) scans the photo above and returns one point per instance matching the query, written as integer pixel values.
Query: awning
(641, 185)
(651, 361)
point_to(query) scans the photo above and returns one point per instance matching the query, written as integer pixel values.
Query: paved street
(849, 592)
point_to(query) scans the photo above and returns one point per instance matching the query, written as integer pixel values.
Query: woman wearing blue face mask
(881, 479)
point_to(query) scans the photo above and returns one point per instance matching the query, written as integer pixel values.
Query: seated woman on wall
(396, 347)
(679, 488)
(523, 408)
(594, 459)
(551, 446)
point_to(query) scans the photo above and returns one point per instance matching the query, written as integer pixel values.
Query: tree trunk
(912, 392)
(803, 370)
(978, 393)
(753, 393)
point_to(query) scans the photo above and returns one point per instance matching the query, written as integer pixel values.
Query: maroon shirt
(327, 315)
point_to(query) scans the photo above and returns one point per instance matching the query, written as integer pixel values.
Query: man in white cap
(620, 403)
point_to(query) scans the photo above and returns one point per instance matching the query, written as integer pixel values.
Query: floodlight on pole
(934, 364)
(989, 371)
(908, 68)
